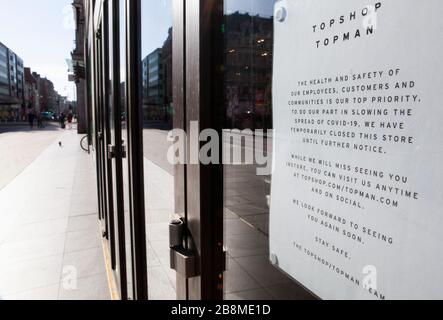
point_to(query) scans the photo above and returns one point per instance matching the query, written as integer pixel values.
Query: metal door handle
(111, 152)
(183, 261)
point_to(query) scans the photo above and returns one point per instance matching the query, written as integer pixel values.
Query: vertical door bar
(110, 229)
(89, 104)
(100, 123)
(179, 83)
(120, 210)
(204, 101)
(102, 113)
(135, 146)
(97, 124)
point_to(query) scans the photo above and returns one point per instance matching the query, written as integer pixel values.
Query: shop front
(256, 150)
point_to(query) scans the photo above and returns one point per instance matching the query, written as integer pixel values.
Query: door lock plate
(184, 263)
(111, 152)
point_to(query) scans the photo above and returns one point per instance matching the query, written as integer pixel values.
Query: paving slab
(50, 245)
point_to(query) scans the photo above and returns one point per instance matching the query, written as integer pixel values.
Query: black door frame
(198, 96)
(121, 254)
(111, 95)
(135, 148)
(105, 58)
(111, 216)
(205, 104)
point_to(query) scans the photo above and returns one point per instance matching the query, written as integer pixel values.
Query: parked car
(47, 116)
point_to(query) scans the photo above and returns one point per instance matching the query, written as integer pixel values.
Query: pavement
(50, 245)
(19, 146)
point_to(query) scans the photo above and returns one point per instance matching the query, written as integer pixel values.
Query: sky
(156, 21)
(253, 7)
(41, 32)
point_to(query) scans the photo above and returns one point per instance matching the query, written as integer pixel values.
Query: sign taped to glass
(356, 205)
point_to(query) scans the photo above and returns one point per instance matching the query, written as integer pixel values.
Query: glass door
(248, 72)
(161, 96)
(116, 148)
(158, 117)
(112, 142)
(178, 100)
(102, 127)
(104, 109)
(121, 124)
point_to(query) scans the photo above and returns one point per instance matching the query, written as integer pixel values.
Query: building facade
(329, 204)
(149, 88)
(4, 71)
(248, 61)
(78, 60)
(32, 95)
(12, 81)
(48, 95)
(157, 84)
(153, 86)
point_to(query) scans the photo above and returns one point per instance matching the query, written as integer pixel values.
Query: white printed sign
(357, 190)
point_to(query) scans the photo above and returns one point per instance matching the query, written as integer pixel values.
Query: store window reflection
(248, 89)
(249, 70)
(157, 37)
(157, 85)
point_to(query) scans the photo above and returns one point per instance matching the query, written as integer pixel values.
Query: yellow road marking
(110, 273)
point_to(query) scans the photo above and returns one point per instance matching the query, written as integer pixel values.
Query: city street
(226, 150)
(50, 246)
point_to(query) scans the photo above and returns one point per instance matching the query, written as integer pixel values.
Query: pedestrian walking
(31, 118)
(70, 118)
(40, 124)
(62, 120)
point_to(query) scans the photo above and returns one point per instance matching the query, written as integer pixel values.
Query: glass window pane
(124, 128)
(158, 119)
(248, 89)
